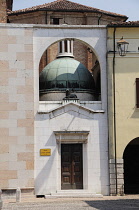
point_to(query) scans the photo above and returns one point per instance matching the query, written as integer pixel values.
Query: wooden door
(71, 166)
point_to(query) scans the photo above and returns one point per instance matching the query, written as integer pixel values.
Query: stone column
(72, 46)
(18, 195)
(68, 46)
(120, 176)
(63, 47)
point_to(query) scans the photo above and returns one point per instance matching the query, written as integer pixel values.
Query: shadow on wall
(135, 113)
(103, 156)
(45, 173)
(51, 141)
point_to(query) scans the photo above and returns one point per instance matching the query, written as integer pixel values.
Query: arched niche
(131, 167)
(83, 53)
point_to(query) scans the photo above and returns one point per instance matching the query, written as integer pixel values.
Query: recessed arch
(131, 167)
(89, 48)
(80, 40)
(83, 52)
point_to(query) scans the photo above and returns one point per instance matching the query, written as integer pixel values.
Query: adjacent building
(123, 107)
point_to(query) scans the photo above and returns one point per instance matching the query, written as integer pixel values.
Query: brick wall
(33, 18)
(9, 4)
(80, 50)
(74, 18)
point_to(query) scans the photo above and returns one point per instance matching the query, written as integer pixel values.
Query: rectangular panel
(45, 152)
(66, 168)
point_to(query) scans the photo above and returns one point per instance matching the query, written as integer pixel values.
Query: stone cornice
(71, 106)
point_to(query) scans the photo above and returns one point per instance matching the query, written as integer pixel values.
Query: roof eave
(121, 26)
(63, 10)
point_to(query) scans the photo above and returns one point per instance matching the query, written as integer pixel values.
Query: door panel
(71, 166)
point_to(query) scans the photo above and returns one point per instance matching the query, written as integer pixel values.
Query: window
(60, 46)
(65, 45)
(56, 21)
(137, 92)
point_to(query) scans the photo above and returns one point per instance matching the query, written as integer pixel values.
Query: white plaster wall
(95, 152)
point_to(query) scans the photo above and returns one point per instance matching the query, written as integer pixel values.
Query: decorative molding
(71, 106)
(71, 137)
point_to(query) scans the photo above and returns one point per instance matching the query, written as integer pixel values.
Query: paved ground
(105, 203)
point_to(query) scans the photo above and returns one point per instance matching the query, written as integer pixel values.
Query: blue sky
(129, 8)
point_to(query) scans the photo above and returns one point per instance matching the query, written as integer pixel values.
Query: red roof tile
(124, 24)
(65, 5)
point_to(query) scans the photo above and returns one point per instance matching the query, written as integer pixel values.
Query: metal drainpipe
(114, 108)
(46, 18)
(99, 19)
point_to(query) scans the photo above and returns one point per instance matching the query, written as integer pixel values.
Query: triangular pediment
(69, 107)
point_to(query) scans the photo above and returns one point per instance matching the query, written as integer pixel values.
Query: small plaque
(45, 152)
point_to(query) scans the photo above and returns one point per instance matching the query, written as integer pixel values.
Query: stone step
(73, 194)
(72, 191)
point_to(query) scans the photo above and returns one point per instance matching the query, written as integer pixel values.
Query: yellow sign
(45, 152)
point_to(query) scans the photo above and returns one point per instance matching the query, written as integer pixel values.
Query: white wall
(73, 118)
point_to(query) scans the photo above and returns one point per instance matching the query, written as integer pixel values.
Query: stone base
(73, 194)
(119, 189)
(11, 193)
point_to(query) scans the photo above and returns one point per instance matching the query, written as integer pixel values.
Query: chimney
(9, 4)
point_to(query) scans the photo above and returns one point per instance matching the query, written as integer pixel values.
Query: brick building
(65, 12)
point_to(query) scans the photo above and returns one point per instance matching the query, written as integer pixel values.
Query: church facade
(37, 126)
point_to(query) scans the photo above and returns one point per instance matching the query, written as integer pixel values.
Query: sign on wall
(45, 152)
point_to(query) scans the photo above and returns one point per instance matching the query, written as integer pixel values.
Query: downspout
(114, 109)
(99, 19)
(46, 18)
(46, 21)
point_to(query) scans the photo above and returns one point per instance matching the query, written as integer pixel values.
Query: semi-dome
(66, 73)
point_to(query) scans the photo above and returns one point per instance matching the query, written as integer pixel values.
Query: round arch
(80, 40)
(81, 44)
(84, 44)
(94, 37)
(83, 52)
(131, 167)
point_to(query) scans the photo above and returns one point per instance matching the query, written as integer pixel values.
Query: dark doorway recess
(71, 166)
(131, 167)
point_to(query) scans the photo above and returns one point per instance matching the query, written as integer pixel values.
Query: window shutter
(137, 92)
